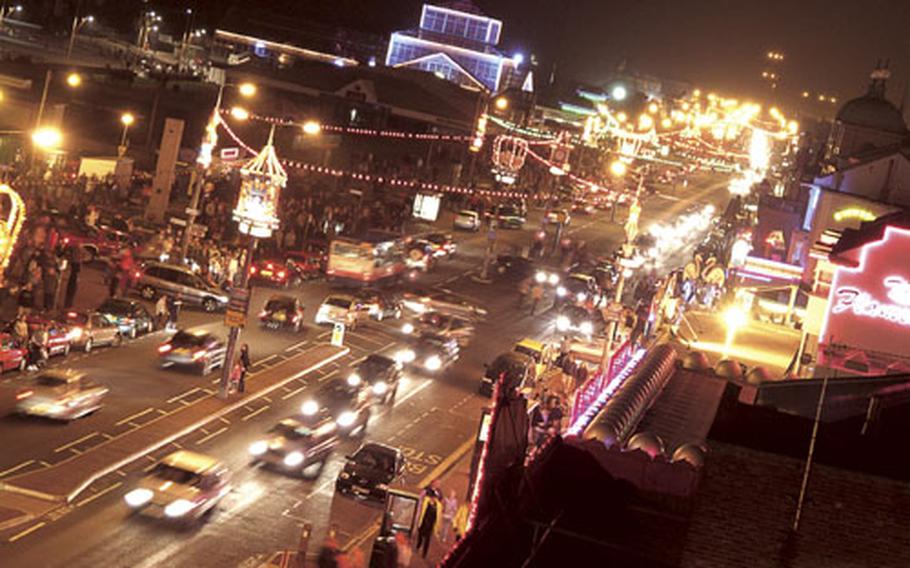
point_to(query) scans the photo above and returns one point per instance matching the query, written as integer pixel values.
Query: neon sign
(854, 213)
(863, 304)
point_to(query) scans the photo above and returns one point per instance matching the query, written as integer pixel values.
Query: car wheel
(209, 305)
(88, 345)
(147, 293)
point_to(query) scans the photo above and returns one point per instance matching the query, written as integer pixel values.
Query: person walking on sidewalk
(449, 508)
(244, 359)
(161, 312)
(72, 282)
(430, 514)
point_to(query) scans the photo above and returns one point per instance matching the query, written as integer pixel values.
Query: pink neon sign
(869, 305)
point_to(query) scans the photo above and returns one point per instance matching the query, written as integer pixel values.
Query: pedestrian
(26, 298)
(536, 296)
(449, 508)
(173, 311)
(524, 288)
(113, 280)
(430, 515)
(20, 331)
(328, 554)
(460, 522)
(72, 282)
(161, 311)
(244, 359)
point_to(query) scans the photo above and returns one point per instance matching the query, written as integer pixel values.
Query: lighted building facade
(458, 42)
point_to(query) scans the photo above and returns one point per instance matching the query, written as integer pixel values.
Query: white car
(341, 308)
(60, 395)
(467, 220)
(184, 486)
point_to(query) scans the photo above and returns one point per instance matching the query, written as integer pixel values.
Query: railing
(588, 392)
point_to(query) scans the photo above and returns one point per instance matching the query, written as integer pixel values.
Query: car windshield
(374, 459)
(508, 211)
(336, 391)
(373, 365)
(184, 339)
(116, 307)
(292, 431)
(338, 302)
(173, 474)
(50, 381)
(76, 318)
(275, 305)
(470, 214)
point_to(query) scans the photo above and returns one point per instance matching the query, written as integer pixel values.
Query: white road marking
(296, 345)
(254, 413)
(104, 491)
(212, 435)
(27, 531)
(137, 415)
(292, 393)
(16, 468)
(75, 442)
(181, 395)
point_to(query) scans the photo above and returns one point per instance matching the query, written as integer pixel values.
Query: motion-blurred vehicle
(419, 254)
(200, 350)
(275, 272)
(156, 278)
(341, 308)
(379, 304)
(12, 355)
(282, 312)
(129, 316)
(346, 401)
(446, 325)
(442, 244)
(583, 208)
(514, 267)
(381, 375)
(420, 301)
(576, 320)
(373, 258)
(429, 352)
(88, 330)
(58, 339)
(509, 217)
(576, 289)
(368, 473)
(60, 394)
(558, 216)
(184, 486)
(467, 221)
(293, 446)
(514, 368)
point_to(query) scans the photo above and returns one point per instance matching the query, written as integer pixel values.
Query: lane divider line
(27, 531)
(217, 432)
(252, 414)
(16, 467)
(292, 393)
(104, 491)
(76, 442)
(181, 395)
(137, 415)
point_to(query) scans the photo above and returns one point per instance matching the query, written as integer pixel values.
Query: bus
(371, 259)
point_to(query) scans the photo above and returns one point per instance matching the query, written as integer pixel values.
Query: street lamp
(735, 318)
(240, 113)
(77, 23)
(127, 119)
(502, 103)
(74, 80)
(47, 138)
(618, 168)
(247, 89)
(311, 128)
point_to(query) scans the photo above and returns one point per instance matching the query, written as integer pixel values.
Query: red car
(59, 341)
(275, 272)
(11, 355)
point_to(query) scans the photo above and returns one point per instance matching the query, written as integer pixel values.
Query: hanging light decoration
(10, 226)
(262, 180)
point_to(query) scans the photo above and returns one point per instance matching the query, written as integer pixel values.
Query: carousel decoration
(509, 153)
(11, 226)
(263, 178)
(559, 156)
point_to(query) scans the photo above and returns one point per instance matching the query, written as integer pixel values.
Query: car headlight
(179, 508)
(407, 328)
(553, 279)
(293, 459)
(258, 448)
(581, 296)
(405, 356)
(309, 408)
(138, 497)
(540, 277)
(561, 291)
(346, 419)
(586, 328)
(380, 388)
(562, 323)
(74, 334)
(433, 363)
(354, 379)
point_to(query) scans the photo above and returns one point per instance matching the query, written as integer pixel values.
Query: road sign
(338, 335)
(238, 304)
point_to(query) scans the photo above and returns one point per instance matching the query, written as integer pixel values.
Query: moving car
(345, 401)
(467, 221)
(88, 330)
(12, 356)
(381, 374)
(579, 321)
(442, 245)
(129, 316)
(421, 301)
(156, 278)
(201, 350)
(380, 304)
(558, 216)
(446, 325)
(275, 272)
(576, 289)
(369, 471)
(429, 351)
(282, 312)
(60, 394)
(509, 217)
(184, 486)
(515, 369)
(341, 308)
(514, 267)
(58, 340)
(294, 446)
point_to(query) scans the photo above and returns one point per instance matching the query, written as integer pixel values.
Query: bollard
(303, 544)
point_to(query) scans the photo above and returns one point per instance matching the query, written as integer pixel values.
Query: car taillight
(252, 270)
(24, 394)
(137, 274)
(66, 240)
(199, 354)
(282, 274)
(164, 348)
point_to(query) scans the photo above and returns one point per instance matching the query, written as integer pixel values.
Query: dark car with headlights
(513, 368)
(514, 267)
(429, 352)
(576, 289)
(282, 312)
(295, 446)
(198, 350)
(381, 375)
(346, 401)
(130, 316)
(579, 321)
(368, 473)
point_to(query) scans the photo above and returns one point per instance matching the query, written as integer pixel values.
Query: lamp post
(256, 213)
(77, 23)
(127, 119)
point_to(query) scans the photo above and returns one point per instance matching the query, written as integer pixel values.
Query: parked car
(430, 352)
(200, 350)
(341, 308)
(12, 355)
(345, 401)
(294, 446)
(60, 394)
(381, 375)
(58, 342)
(183, 487)
(467, 221)
(282, 311)
(156, 278)
(88, 330)
(130, 316)
(369, 471)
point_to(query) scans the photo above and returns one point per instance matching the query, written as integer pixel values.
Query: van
(157, 278)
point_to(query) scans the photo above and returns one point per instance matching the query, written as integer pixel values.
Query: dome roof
(872, 111)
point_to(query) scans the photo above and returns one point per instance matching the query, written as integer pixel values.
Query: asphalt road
(431, 418)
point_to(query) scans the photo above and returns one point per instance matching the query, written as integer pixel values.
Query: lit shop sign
(869, 304)
(854, 214)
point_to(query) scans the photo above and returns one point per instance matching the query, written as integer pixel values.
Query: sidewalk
(30, 495)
